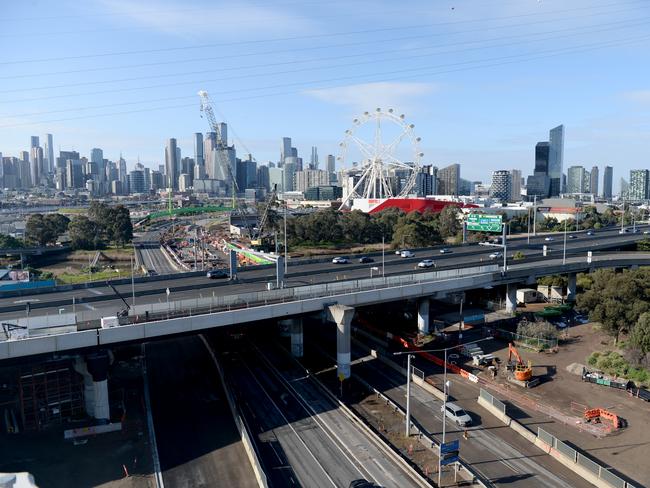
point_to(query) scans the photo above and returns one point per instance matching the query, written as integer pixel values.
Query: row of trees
(621, 303)
(356, 227)
(104, 224)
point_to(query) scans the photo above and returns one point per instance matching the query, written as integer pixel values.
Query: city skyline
(464, 111)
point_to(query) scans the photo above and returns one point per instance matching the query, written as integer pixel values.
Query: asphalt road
(495, 451)
(304, 437)
(152, 258)
(198, 443)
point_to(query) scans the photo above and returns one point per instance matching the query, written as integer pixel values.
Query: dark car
(152, 272)
(366, 259)
(361, 484)
(216, 273)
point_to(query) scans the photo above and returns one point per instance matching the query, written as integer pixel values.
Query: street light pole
(535, 216)
(383, 256)
(528, 226)
(444, 418)
(408, 394)
(132, 285)
(286, 252)
(564, 251)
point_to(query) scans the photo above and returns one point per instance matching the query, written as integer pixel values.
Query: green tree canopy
(84, 233)
(640, 337)
(10, 242)
(42, 230)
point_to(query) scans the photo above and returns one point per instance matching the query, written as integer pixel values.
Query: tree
(120, 228)
(10, 242)
(640, 336)
(84, 233)
(643, 245)
(448, 224)
(57, 223)
(37, 231)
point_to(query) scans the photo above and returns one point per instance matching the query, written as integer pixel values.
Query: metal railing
(526, 341)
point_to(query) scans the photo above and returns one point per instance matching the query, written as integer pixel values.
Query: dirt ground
(626, 449)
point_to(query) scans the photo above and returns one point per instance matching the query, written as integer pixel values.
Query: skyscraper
(542, 150)
(171, 164)
(199, 159)
(501, 187)
(36, 165)
(449, 180)
(515, 185)
(48, 154)
(575, 180)
(593, 181)
(285, 152)
(556, 159)
(638, 189)
(608, 178)
(97, 158)
(313, 161)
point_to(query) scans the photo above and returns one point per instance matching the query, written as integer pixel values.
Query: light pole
(132, 284)
(535, 216)
(373, 268)
(564, 251)
(445, 390)
(528, 227)
(383, 255)
(286, 251)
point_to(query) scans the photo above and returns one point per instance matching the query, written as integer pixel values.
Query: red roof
(418, 205)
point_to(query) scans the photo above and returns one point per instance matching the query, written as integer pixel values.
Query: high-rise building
(313, 161)
(246, 173)
(122, 174)
(36, 165)
(74, 174)
(542, 150)
(309, 178)
(48, 154)
(276, 179)
(285, 152)
(515, 185)
(575, 180)
(449, 180)
(171, 164)
(556, 159)
(593, 181)
(289, 168)
(263, 177)
(625, 188)
(426, 181)
(501, 187)
(608, 178)
(199, 158)
(331, 164)
(638, 189)
(136, 181)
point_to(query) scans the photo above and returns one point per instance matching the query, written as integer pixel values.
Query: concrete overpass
(152, 320)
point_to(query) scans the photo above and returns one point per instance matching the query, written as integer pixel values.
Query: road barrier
(498, 404)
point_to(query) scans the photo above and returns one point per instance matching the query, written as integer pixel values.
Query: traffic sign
(484, 223)
(449, 452)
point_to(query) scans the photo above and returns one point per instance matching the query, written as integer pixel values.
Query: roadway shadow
(515, 412)
(511, 479)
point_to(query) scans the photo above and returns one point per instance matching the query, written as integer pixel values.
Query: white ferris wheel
(376, 169)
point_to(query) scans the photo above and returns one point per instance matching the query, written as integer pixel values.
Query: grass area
(189, 211)
(613, 364)
(81, 277)
(112, 252)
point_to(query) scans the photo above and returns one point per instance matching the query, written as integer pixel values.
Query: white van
(407, 254)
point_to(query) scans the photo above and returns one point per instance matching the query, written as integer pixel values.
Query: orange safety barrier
(596, 414)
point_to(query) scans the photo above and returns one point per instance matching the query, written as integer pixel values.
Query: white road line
(95, 292)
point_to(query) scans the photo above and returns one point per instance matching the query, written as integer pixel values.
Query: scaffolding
(50, 393)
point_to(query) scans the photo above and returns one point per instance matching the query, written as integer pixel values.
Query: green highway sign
(484, 223)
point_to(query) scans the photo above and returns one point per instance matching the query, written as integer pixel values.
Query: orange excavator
(519, 372)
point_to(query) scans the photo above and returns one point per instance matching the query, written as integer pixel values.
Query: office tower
(34, 142)
(199, 159)
(426, 181)
(276, 179)
(575, 179)
(74, 173)
(638, 189)
(309, 178)
(36, 165)
(246, 173)
(122, 174)
(449, 180)
(223, 132)
(331, 164)
(48, 154)
(171, 164)
(556, 159)
(542, 150)
(625, 188)
(187, 168)
(97, 157)
(313, 160)
(593, 181)
(289, 170)
(263, 177)
(285, 151)
(157, 180)
(501, 187)
(608, 178)
(586, 182)
(136, 181)
(515, 185)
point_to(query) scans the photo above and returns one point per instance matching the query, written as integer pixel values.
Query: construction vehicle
(518, 372)
(125, 311)
(261, 241)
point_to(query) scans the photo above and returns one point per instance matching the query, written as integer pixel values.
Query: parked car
(366, 259)
(426, 263)
(216, 273)
(444, 250)
(549, 238)
(407, 254)
(496, 255)
(458, 415)
(340, 260)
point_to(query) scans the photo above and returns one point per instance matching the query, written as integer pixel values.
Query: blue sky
(482, 80)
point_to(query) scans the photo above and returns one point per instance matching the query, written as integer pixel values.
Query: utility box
(108, 322)
(527, 295)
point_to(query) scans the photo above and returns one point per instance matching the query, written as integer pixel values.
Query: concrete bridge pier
(571, 287)
(294, 327)
(342, 316)
(94, 369)
(511, 297)
(423, 315)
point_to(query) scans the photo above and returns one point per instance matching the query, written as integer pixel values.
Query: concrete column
(342, 316)
(571, 288)
(89, 391)
(279, 272)
(295, 332)
(511, 297)
(423, 315)
(233, 264)
(97, 364)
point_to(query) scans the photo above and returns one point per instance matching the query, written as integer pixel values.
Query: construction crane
(206, 108)
(522, 373)
(125, 311)
(260, 241)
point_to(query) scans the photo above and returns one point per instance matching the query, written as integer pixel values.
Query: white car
(444, 250)
(457, 414)
(549, 238)
(426, 263)
(398, 252)
(496, 255)
(622, 231)
(407, 254)
(646, 231)
(340, 260)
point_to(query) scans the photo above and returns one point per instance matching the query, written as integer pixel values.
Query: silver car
(457, 414)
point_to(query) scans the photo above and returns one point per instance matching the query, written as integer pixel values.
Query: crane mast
(206, 108)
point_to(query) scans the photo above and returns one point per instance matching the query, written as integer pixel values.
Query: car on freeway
(399, 251)
(152, 272)
(340, 260)
(444, 250)
(549, 238)
(590, 232)
(366, 259)
(635, 231)
(646, 231)
(495, 255)
(213, 274)
(426, 263)
(361, 483)
(571, 236)
(407, 254)
(457, 414)
(623, 231)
